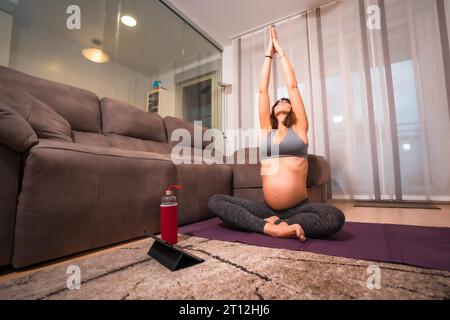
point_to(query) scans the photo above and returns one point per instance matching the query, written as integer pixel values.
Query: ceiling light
(128, 21)
(95, 54)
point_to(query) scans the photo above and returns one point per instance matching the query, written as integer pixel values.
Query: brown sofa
(78, 172)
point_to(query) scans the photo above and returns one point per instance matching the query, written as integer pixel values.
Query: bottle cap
(169, 191)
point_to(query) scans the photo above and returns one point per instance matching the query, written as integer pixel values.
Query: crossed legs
(240, 213)
(315, 220)
(318, 220)
(250, 216)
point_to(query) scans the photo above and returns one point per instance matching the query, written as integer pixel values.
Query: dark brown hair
(288, 121)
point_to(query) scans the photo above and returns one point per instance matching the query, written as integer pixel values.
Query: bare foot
(272, 219)
(291, 231)
(283, 230)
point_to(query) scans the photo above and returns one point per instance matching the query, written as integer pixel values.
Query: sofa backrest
(78, 106)
(106, 122)
(173, 123)
(128, 127)
(121, 118)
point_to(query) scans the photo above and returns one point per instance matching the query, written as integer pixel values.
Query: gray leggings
(318, 220)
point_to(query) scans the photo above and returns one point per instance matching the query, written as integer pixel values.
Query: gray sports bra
(291, 146)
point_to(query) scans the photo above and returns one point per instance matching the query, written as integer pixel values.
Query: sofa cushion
(15, 132)
(121, 118)
(91, 139)
(44, 120)
(96, 150)
(47, 123)
(189, 155)
(79, 107)
(173, 123)
(129, 143)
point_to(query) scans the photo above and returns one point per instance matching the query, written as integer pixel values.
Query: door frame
(216, 116)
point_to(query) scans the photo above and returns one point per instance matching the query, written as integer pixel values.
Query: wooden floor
(418, 217)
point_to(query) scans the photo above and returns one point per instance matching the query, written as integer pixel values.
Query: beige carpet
(231, 271)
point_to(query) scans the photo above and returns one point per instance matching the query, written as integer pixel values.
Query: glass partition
(136, 51)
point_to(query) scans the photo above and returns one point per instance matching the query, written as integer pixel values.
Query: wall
(230, 108)
(44, 55)
(5, 37)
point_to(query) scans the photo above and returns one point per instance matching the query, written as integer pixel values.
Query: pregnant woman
(286, 211)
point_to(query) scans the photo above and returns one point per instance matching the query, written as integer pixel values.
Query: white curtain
(376, 99)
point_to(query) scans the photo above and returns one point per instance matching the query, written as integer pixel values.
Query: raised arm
(291, 82)
(263, 89)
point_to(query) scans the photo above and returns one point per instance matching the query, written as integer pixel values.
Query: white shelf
(155, 99)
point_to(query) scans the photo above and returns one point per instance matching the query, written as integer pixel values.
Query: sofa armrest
(10, 172)
(246, 168)
(15, 132)
(319, 172)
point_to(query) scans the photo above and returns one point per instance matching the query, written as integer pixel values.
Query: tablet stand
(171, 256)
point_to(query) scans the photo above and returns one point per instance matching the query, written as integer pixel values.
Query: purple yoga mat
(427, 247)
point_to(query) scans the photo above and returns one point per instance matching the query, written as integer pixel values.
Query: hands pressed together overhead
(274, 44)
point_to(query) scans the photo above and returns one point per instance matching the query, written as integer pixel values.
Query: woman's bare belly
(284, 181)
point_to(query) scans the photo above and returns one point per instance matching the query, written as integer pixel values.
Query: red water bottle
(169, 215)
